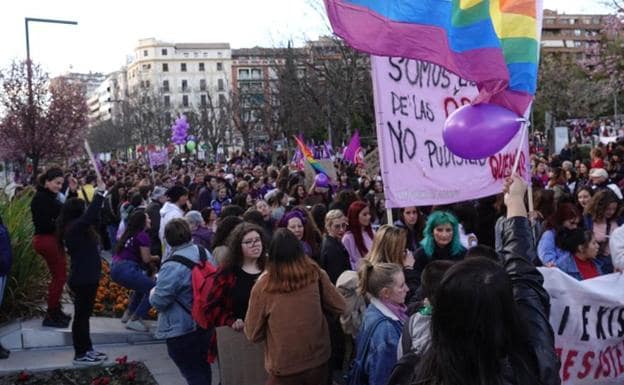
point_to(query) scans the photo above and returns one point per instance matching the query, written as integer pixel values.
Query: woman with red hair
(359, 238)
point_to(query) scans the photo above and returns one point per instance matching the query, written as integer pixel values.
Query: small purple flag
(158, 158)
(353, 152)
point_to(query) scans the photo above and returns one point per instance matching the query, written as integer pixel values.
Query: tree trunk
(35, 160)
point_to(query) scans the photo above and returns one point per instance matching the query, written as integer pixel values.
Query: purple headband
(296, 213)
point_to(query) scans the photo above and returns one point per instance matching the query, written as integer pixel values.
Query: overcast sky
(109, 30)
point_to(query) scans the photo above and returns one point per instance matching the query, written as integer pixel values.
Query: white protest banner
(588, 320)
(412, 101)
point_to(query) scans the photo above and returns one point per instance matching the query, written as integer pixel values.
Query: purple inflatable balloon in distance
(321, 180)
(481, 130)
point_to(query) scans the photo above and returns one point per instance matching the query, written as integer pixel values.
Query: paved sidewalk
(154, 355)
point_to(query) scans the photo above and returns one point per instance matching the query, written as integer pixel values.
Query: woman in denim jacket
(378, 339)
(187, 345)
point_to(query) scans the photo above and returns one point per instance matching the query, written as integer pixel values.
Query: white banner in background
(588, 320)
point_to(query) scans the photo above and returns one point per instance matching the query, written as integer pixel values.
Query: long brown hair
(597, 206)
(288, 268)
(235, 245)
(388, 245)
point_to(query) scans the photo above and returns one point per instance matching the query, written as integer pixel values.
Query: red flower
(131, 375)
(122, 360)
(23, 376)
(105, 381)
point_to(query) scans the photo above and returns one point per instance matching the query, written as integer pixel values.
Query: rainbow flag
(494, 43)
(309, 156)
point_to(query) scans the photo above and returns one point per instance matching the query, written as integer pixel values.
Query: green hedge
(26, 289)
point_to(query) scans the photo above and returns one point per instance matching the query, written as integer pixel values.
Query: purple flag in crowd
(353, 152)
(158, 158)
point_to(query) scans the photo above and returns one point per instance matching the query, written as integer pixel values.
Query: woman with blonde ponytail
(376, 344)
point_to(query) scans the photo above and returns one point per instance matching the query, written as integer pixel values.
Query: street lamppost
(31, 120)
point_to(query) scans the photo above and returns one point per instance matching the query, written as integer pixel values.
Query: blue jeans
(130, 275)
(189, 353)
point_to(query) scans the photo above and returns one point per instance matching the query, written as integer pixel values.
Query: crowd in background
(279, 246)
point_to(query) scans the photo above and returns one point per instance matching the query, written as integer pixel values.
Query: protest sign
(588, 320)
(240, 361)
(412, 101)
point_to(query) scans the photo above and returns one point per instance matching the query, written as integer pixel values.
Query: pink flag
(353, 152)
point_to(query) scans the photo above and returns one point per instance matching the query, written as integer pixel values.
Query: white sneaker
(137, 325)
(125, 317)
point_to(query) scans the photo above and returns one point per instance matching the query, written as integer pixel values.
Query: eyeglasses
(340, 226)
(252, 242)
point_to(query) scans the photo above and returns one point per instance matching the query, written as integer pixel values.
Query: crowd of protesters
(316, 271)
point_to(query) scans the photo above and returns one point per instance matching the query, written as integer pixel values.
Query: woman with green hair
(440, 241)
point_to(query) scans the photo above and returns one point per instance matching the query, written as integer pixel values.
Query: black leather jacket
(531, 298)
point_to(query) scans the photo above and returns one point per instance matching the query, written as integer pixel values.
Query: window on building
(185, 102)
(167, 101)
(146, 67)
(147, 84)
(256, 73)
(144, 52)
(243, 74)
(184, 85)
(204, 100)
(165, 67)
(185, 54)
(202, 84)
(219, 66)
(142, 84)
(167, 117)
(163, 51)
(577, 32)
(183, 67)
(165, 85)
(202, 67)
(220, 85)
(222, 99)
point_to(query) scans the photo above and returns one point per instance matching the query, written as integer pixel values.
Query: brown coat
(293, 325)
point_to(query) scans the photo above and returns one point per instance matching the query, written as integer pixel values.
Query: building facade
(570, 34)
(183, 75)
(105, 101)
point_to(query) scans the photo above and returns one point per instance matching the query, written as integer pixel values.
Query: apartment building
(570, 34)
(183, 75)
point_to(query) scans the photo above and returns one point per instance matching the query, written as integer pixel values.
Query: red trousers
(48, 247)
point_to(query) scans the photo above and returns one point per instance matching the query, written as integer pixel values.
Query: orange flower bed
(111, 299)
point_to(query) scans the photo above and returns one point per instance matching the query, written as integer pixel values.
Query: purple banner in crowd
(412, 101)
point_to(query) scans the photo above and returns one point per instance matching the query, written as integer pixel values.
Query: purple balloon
(481, 130)
(321, 180)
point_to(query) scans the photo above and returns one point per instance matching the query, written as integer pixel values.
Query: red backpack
(203, 280)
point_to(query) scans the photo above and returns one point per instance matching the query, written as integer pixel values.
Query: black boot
(4, 353)
(53, 320)
(58, 313)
